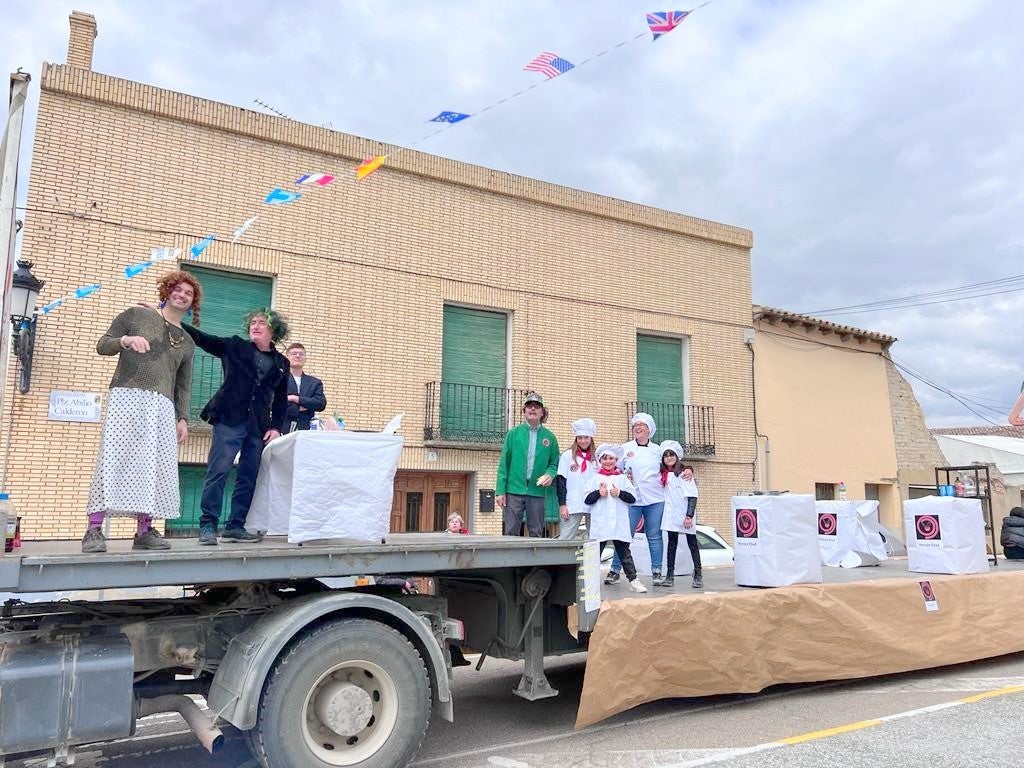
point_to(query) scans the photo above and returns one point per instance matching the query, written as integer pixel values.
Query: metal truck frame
(322, 654)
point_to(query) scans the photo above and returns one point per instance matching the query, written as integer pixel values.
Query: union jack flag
(663, 22)
(549, 64)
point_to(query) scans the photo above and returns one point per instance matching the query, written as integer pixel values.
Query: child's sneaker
(636, 586)
(612, 577)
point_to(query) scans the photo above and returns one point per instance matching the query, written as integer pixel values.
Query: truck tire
(354, 692)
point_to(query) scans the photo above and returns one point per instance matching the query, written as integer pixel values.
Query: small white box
(848, 527)
(776, 540)
(945, 534)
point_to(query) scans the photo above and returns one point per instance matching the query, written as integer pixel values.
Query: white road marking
(586, 733)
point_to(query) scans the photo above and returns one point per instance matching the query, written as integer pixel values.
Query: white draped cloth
(316, 485)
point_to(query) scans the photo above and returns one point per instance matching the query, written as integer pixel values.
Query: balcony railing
(467, 413)
(692, 425)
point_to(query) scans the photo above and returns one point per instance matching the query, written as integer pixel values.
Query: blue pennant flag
(282, 196)
(197, 250)
(136, 269)
(449, 117)
(85, 290)
(47, 309)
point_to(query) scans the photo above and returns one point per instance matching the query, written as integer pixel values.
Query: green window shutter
(190, 484)
(473, 397)
(659, 384)
(227, 297)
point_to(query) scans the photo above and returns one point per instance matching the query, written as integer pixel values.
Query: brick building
(435, 288)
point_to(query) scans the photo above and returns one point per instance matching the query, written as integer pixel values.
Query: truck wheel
(352, 692)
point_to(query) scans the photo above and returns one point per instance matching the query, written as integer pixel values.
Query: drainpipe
(764, 482)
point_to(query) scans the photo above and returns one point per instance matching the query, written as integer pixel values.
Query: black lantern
(25, 289)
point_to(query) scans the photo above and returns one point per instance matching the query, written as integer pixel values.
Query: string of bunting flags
(550, 65)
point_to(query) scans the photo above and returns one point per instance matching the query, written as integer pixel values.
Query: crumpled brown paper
(743, 642)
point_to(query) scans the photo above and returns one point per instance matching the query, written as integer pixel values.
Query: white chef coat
(576, 480)
(645, 464)
(609, 516)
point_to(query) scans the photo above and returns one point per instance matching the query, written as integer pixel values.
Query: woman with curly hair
(147, 414)
(247, 412)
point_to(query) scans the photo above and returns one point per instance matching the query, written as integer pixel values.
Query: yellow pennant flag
(369, 166)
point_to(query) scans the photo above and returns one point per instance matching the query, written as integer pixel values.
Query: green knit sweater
(165, 369)
(512, 464)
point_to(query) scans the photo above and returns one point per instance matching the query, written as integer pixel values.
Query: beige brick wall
(363, 271)
(81, 39)
(916, 447)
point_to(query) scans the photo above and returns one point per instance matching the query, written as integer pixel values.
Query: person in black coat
(1012, 535)
(305, 392)
(247, 412)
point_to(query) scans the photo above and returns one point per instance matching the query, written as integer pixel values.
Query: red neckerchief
(584, 455)
(664, 477)
(613, 472)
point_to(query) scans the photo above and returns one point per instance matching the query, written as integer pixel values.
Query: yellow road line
(826, 732)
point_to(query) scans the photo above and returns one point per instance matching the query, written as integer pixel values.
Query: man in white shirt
(305, 392)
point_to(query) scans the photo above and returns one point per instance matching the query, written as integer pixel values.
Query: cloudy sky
(874, 147)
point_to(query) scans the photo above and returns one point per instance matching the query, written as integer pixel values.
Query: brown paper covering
(743, 642)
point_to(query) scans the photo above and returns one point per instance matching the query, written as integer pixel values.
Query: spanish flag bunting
(369, 165)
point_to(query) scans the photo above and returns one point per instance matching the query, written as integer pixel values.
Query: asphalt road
(493, 728)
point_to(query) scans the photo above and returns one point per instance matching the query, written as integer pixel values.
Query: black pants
(227, 441)
(673, 544)
(517, 507)
(622, 550)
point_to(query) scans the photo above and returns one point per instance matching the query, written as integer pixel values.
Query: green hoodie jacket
(512, 464)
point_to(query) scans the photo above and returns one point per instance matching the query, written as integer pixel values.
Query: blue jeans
(227, 441)
(651, 513)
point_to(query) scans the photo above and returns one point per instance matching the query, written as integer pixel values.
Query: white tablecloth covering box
(945, 534)
(326, 485)
(848, 528)
(776, 540)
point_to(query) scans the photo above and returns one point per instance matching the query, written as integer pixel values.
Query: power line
(903, 302)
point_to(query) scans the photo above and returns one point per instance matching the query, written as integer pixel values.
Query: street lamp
(25, 289)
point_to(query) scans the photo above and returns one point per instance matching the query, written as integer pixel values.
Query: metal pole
(9, 152)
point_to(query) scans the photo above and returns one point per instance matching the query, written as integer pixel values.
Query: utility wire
(902, 301)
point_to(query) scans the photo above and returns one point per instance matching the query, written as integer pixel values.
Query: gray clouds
(873, 146)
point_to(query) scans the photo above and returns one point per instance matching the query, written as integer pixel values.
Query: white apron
(609, 516)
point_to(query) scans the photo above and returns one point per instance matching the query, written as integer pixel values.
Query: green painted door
(659, 384)
(227, 297)
(473, 395)
(190, 483)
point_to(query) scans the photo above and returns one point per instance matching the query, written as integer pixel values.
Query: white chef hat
(611, 449)
(584, 428)
(644, 418)
(672, 445)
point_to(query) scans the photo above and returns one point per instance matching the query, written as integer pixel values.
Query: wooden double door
(423, 500)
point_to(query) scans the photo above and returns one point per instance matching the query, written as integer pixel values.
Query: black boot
(698, 579)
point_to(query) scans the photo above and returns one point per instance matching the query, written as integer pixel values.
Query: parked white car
(714, 550)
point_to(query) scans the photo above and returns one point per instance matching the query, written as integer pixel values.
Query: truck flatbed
(55, 566)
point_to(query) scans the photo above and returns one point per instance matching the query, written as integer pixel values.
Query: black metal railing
(693, 426)
(207, 375)
(468, 413)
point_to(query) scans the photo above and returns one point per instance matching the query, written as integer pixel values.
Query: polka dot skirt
(137, 466)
